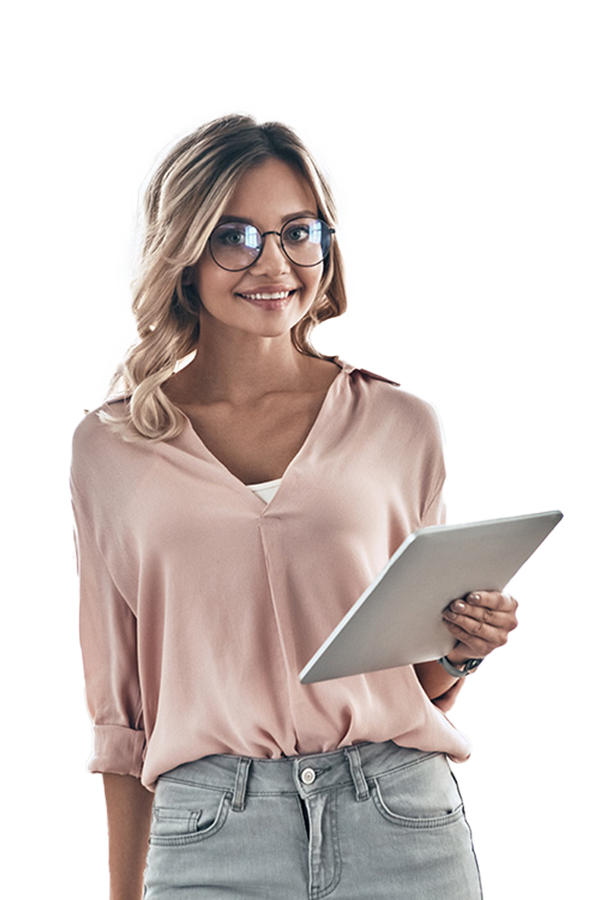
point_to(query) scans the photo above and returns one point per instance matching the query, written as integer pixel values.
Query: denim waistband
(304, 775)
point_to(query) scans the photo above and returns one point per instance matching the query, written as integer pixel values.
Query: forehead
(273, 191)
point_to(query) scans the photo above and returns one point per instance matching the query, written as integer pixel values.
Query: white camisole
(266, 490)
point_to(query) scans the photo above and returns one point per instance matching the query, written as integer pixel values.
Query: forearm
(434, 679)
(129, 810)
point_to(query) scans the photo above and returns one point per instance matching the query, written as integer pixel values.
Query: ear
(186, 276)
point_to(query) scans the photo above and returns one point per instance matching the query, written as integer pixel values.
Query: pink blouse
(200, 604)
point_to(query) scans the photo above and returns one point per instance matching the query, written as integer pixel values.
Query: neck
(241, 368)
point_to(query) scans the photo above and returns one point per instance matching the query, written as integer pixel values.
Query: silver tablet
(398, 621)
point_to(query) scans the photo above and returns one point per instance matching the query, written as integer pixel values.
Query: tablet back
(397, 621)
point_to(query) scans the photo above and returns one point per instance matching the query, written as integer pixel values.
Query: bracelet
(469, 666)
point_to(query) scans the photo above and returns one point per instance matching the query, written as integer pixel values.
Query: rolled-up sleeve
(108, 637)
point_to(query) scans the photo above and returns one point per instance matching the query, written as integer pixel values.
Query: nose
(272, 260)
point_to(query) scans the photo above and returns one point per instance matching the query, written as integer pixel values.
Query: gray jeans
(367, 822)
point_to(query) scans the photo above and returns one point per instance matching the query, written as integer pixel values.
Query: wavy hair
(183, 202)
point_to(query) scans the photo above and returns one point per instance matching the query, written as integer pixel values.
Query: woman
(229, 511)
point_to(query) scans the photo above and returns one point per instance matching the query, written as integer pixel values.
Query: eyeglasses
(236, 245)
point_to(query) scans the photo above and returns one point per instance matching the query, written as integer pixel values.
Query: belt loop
(241, 781)
(356, 770)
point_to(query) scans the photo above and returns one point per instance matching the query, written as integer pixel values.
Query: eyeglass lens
(236, 245)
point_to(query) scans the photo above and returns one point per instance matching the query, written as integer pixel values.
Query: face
(270, 297)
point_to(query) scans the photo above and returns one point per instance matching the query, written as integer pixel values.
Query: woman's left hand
(480, 622)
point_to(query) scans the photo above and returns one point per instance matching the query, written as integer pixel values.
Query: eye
(233, 236)
(297, 233)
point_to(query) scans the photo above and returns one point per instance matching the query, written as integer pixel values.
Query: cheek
(212, 282)
(312, 281)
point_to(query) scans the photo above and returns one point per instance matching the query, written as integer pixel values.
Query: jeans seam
(337, 868)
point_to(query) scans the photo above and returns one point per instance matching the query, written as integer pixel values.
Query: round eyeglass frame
(283, 250)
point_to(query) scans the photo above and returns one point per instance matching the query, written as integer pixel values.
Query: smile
(280, 295)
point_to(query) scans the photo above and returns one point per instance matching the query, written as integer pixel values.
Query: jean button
(308, 776)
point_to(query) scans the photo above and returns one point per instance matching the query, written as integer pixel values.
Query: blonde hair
(183, 202)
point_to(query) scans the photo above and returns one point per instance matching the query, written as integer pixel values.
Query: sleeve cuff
(118, 750)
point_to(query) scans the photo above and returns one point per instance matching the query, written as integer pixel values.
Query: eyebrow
(296, 215)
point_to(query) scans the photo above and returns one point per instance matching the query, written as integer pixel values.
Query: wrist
(460, 670)
(458, 657)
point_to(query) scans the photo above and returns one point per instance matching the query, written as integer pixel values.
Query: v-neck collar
(334, 388)
(191, 436)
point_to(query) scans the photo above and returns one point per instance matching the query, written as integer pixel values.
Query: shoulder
(391, 394)
(92, 430)
(108, 471)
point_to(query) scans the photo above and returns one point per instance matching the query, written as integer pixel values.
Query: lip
(272, 305)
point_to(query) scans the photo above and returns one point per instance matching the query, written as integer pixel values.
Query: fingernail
(459, 606)
(474, 598)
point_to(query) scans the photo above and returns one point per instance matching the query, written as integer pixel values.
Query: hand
(480, 622)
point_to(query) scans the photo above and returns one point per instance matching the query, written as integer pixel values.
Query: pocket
(197, 817)
(422, 794)
(168, 821)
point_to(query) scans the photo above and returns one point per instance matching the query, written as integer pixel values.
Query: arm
(434, 679)
(129, 809)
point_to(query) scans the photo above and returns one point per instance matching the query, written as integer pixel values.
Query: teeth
(280, 295)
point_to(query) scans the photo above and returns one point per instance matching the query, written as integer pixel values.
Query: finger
(479, 630)
(478, 645)
(487, 624)
(496, 600)
(496, 608)
(460, 612)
